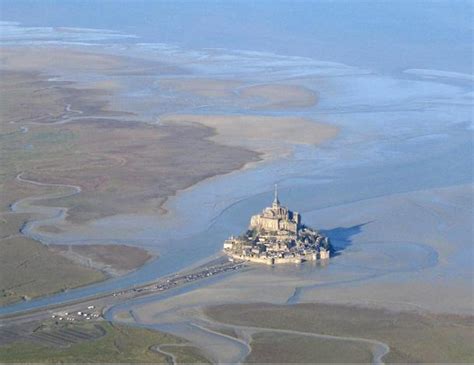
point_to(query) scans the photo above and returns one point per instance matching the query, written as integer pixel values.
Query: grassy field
(29, 270)
(288, 348)
(412, 337)
(115, 344)
(186, 354)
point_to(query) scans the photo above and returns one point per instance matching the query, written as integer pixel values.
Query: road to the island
(168, 285)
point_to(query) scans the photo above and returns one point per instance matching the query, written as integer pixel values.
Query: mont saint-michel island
(277, 236)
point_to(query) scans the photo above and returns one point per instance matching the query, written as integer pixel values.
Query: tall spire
(275, 200)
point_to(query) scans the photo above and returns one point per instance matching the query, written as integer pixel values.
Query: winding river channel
(367, 160)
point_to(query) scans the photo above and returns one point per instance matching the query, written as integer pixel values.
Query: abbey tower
(276, 218)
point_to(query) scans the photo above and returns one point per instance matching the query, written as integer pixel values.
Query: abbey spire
(276, 202)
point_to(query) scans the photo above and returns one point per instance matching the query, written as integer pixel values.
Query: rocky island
(277, 236)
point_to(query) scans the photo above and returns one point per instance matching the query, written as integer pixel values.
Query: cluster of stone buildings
(277, 236)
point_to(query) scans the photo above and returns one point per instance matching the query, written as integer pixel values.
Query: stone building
(276, 218)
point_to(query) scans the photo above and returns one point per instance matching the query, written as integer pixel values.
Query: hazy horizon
(383, 36)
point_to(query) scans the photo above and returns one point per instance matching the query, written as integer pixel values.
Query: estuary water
(405, 126)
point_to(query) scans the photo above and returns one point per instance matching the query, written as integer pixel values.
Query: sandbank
(280, 96)
(268, 135)
(201, 86)
(243, 93)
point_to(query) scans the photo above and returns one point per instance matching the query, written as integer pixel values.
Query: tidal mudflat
(401, 228)
(393, 190)
(171, 150)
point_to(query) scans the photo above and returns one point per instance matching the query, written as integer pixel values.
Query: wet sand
(272, 136)
(280, 96)
(57, 61)
(248, 95)
(210, 88)
(380, 262)
(31, 58)
(379, 267)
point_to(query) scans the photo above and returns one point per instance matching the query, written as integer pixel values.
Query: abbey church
(276, 218)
